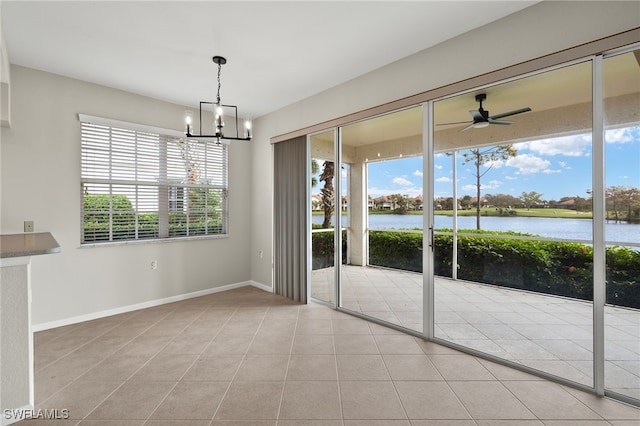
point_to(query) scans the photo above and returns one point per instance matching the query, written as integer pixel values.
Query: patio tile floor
(548, 333)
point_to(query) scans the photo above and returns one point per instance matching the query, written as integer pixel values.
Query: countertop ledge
(30, 244)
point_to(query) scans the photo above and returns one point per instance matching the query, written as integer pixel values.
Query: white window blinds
(141, 185)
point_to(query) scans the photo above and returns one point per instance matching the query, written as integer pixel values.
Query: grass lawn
(556, 213)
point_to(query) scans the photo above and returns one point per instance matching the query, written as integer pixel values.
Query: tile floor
(247, 357)
(550, 334)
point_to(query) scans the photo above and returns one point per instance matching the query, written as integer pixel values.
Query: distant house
(416, 203)
(383, 203)
(316, 202)
(483, 202)
(566, 204)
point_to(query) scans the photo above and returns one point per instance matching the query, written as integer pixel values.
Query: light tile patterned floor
(247, 357)
(551, 334)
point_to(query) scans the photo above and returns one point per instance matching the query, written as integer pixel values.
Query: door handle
(432, 241)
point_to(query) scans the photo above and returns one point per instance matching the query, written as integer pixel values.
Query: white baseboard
(143, 305)
(261, 286)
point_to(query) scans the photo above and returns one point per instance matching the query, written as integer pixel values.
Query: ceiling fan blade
(492, 121)
(507, 114)
(468, 127)
(456, 122)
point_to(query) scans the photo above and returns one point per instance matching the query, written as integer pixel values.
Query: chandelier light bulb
(188, 120)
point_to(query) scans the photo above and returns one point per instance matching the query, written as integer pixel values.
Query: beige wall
(542, 29)
(40, 181)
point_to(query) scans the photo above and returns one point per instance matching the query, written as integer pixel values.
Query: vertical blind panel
(136, 183)
(290, 227)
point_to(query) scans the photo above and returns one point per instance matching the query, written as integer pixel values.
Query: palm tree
(328, 198)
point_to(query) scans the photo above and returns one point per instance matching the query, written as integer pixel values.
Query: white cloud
(571, 146)
(564, 165)
(510, 178)
(412, 191)
(437, 166)
(494, 164)
(402, 181)
(494, 184)
(443, 179)
(620, 135)
(417, 173)
(491, 185)
(528, 164)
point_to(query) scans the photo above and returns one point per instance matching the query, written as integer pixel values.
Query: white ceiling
(278, 52)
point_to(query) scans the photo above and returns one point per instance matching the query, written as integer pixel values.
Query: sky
(556, 168)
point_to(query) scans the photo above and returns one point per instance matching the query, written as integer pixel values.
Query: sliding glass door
(324, 219)
(519, 284)
(621, 90)
(501, 220)
(382, 275)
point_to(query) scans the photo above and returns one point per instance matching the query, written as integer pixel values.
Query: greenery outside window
(140, 184)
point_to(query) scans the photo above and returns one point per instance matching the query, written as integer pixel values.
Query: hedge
(549, 267)
(322, 249)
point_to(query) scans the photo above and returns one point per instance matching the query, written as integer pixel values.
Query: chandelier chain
(219, 72)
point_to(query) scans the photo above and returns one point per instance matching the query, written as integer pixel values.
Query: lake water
(570, 229)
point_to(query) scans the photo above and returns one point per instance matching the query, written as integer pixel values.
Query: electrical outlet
(154, 264)
(28, 226)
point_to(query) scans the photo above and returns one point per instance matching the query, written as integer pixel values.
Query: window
(139, 184)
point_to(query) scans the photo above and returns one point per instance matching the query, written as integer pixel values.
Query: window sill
(153, 241)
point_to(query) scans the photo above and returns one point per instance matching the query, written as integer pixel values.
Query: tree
(502, 200)
(328, 198)
(444, 203)
(530, 198)
(480, 157)
(583, 204)
(612, 197)
(622, 199)
(632, 198)
(315, 168)
(465, 202)
(400, 203)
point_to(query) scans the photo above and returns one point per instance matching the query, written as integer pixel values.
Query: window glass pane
(515, 280)
(138, 185)
(383, 274)
(622, 227)
(323, 216)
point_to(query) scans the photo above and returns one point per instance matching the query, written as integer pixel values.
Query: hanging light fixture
(218, 113)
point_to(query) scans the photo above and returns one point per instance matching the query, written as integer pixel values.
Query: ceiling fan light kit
(218, 112)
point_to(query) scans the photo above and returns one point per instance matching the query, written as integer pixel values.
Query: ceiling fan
(481, 117)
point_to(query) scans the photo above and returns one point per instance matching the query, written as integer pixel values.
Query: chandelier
(216, 112)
